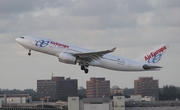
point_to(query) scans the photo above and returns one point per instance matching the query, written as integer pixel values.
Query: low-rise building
(116, 90)
(134, 98)
(148, 98)
(117, 103)
(15, 99)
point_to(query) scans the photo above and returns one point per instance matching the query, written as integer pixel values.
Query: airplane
(70, 54)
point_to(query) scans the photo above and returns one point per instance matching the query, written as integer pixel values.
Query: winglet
(113, 49)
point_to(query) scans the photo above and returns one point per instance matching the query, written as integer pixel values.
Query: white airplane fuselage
(57, 48)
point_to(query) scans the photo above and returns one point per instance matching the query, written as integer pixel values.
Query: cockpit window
(22, 37)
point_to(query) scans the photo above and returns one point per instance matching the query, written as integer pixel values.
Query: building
(115, 90)
(146, 86)
(117, 103)
(11, 99)
(148, 98)
(57, 88)
(98, 87)
(134, 98)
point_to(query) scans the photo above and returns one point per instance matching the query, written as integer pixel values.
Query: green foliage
(170, 90)
(169, 93)
(82, 93)
(63, 98)
(127, 96)
(128, 91)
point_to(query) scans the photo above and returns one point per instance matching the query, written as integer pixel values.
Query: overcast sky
(133, 26)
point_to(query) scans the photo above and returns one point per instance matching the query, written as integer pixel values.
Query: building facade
(117, 103)
(117, 91)
(146, 86)
(56, 88)
(15, 99)
(98, 87)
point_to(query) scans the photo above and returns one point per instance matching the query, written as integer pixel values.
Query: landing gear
(29, 52)
(86, 71)
(84, 67)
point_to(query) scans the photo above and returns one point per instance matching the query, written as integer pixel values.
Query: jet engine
(67, 58)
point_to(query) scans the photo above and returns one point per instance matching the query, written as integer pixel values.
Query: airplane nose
(17, 39)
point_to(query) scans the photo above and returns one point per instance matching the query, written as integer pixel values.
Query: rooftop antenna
(52, 74)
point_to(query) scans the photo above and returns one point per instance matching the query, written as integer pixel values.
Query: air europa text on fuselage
(58, 44)
(152, 54)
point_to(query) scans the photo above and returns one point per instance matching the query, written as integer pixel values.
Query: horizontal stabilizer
(147, 67)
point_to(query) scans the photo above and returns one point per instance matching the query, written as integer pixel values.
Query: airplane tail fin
(154, 56)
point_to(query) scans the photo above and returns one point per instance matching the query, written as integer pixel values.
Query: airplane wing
(89, 56)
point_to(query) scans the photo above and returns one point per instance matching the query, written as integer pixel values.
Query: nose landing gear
(29, 52)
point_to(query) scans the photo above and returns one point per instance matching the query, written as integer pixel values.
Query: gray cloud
(135, 27)
(170, 4)
(22, 6)
(139, 6)
(16, 6)
(94, 8)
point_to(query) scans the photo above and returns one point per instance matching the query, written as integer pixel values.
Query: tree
(169, 93)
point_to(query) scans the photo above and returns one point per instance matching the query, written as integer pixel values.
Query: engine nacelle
(67, 58)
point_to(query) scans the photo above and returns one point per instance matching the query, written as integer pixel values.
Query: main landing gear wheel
(29, 52)
(83, 67)
(86, 71)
